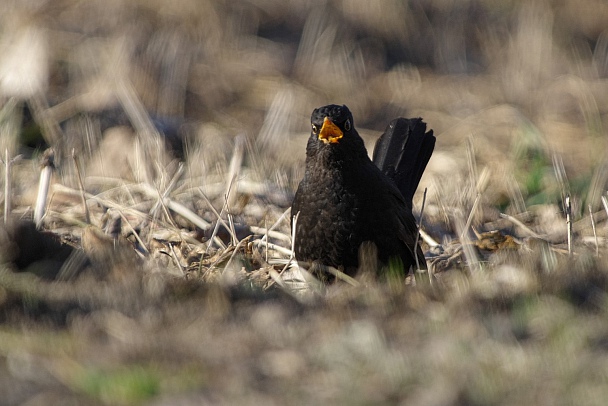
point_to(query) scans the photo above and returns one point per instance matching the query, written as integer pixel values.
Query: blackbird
(345, 199)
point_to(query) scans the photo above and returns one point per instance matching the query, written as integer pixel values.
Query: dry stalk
(285, 251)
(598, 180)
(418, 229)
(275, 247)
(220, 220)
(165, 209)
(267, 233)
(605, 204)
(471, 214)
(8, 163)
(187, 214)
(467, 247)
(278, 279)
(292, 254)
(7, 186)
(428, 239)
(140, 119)
(59, 189)
(439, 194)
(87, 215)
(338, 274)
(294, 223)
(43, 186)
(568, 207)
(168, 189)
(470, 148)
(135, 234)
(52, 133)
(176, 259)
(524, 227)
(174, 206)
(560, 175)
(233, 237)
(237, 246)
(234, 170)
(271, 233)
(480, 186)
(515, 196)
(224, 209)
(235, 166)
(597, 248)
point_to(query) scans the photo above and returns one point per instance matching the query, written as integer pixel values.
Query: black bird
(346, 199)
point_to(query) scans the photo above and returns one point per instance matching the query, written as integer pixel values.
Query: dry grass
(182, 125)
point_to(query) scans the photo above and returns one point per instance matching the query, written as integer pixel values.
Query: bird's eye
(347, 125)
(315, 128)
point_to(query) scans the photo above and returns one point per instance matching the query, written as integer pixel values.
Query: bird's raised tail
(403, 152)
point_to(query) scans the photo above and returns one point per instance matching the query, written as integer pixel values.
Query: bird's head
(331, 124)
(333, 134)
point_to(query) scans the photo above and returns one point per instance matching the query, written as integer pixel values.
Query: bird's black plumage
(345, 199)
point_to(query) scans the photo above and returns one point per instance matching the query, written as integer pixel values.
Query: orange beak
(330, 133)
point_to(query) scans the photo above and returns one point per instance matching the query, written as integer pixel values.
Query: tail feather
(403, 152)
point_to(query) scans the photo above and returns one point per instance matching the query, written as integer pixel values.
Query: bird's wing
(408, 231)
(401, 218)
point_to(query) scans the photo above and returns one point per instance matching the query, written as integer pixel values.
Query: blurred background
(172, 97)
(520, 81)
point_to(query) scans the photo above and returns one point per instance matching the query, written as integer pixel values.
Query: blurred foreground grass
(511, 335)
(177, 112)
